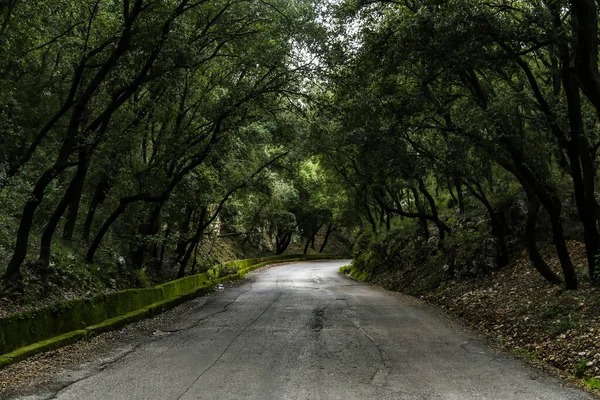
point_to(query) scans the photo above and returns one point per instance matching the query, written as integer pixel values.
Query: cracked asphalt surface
(302, 331)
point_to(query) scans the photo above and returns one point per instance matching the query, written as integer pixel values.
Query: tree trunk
(534, 255)
(421, 209)
(74, 187)
(582, 170)
(442, 228)
(151, 227)
(330, 229)
(282, 243)
(161, 257)
(202, 225)
(552, 204)
(102, 232)
(37, 195)
(73, 211)
(460, 195)
(497, 221)
(563, 252)
(306, 246)
(100, 195)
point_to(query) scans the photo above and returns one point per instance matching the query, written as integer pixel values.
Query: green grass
(354, 273)
(592, 383)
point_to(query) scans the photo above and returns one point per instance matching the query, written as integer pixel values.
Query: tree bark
(37, 195)
(534, 255)
(202, 225)
(73, 210)
(151, 227)
(330, 229)
(442, 228)
(100, 195)
(282, 242)
(582, 171)
(75, 186)
(421, 209)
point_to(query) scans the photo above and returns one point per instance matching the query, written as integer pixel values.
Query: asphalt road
(301, 331)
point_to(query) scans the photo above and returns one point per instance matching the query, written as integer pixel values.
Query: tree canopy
(139, 127)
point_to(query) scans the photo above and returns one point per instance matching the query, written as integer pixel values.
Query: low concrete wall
(25, 334)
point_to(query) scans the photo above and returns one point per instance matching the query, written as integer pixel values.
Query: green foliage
(460, 105)
(564, 324)
(581, 369)
(140, 135)
(592, 383)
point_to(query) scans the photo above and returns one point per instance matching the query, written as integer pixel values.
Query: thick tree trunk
(552, 204)
(534, 255)
(74, 187)
(37, 195)
(586, 50)
(582, 171)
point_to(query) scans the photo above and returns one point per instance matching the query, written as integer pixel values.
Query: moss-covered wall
(34, 326)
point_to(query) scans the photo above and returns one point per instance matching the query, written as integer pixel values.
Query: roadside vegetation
(466, 133)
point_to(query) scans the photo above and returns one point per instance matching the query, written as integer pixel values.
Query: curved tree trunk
(534, 255)
(100, 195)
(442, 227)
(75, 186)
(330, 229)
(282, 242)
(73, 210)
(37, 195)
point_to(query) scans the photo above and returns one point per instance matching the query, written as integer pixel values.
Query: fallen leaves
(519, 308)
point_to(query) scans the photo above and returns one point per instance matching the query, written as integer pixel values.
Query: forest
(450, 148)
(136, 134)
(145, 140)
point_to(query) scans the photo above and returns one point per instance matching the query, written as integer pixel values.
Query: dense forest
(451, 135)
(478, 120)
(133, 130)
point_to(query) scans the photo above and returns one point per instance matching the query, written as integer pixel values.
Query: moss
(118, 322)
(45, 345)
(346, 269)
(354, 273)
(4, 361)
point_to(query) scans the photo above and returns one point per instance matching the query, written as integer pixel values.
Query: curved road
(301, 331)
